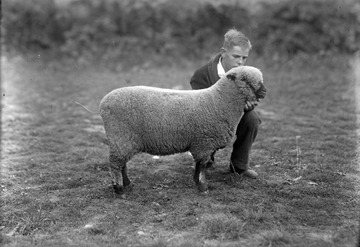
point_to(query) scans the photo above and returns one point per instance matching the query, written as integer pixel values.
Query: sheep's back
(147, 103)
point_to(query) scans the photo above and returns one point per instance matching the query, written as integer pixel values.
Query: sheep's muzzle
(261, 92)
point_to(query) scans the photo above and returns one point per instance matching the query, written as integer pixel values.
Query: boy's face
(234, 57)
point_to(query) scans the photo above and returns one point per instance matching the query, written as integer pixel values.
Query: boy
(234, 53)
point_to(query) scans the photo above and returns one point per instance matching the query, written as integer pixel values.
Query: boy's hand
(250, 105)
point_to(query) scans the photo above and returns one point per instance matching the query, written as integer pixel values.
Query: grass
(222, 227)
(55, 187)
(31, 221)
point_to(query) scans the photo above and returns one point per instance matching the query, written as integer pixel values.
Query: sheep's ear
(231, 76)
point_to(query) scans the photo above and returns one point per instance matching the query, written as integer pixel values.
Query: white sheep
(164, 121)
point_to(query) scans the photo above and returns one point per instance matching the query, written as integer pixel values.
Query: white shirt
(220, 68)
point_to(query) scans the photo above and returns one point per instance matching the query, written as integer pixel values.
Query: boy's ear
(222, 51)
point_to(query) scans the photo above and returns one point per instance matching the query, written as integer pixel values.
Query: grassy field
(55, 186)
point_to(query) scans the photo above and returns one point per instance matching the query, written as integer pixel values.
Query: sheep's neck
(234, 100)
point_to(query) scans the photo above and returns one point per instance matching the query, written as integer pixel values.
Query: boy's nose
(240, 61)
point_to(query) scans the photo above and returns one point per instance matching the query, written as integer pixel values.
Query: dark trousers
(245, 136)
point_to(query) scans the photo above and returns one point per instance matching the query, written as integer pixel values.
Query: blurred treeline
(134, 31)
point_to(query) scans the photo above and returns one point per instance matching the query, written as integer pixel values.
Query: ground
(55, 186)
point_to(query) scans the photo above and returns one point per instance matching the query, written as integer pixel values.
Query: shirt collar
(220, 68)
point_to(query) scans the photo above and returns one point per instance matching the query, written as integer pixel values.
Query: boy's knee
(250, 120)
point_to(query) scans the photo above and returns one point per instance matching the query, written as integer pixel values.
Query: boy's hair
(234, 37)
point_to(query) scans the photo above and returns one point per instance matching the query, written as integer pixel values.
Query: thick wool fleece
(162, 121)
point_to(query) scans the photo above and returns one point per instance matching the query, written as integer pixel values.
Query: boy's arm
(199, 81)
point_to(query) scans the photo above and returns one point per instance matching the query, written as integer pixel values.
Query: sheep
(166, 121)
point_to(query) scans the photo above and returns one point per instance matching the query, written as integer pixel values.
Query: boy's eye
(240, 57)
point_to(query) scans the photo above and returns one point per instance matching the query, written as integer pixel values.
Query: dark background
(164, 31)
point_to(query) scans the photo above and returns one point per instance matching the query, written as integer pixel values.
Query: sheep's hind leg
(200, 177)
(126, 180)
(210, 163)
(118, 172)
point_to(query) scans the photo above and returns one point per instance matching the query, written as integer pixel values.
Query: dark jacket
(207, 75)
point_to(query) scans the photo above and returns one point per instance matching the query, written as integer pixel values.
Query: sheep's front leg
(200, 177)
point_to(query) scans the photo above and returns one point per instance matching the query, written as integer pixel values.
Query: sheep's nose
(261, 93)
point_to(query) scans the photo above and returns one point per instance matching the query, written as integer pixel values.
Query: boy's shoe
(247, 173)
(250, 173)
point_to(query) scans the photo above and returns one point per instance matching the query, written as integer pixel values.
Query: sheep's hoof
(128, 187)
(206, 192)
(119, 190)
(202, 187)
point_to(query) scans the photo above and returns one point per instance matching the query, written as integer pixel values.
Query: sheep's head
(249, 77)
